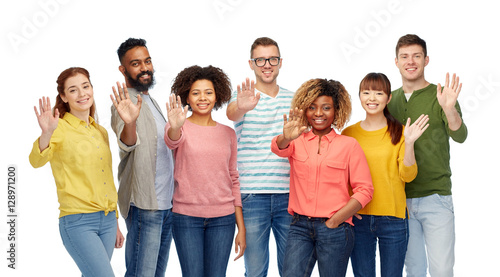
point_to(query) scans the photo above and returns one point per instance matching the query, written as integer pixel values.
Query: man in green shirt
(429, 200)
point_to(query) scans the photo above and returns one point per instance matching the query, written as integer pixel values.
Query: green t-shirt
(432, 149)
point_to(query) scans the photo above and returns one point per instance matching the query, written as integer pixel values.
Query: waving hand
(127, 110)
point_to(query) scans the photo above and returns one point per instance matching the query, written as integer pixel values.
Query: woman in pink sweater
(207, 200)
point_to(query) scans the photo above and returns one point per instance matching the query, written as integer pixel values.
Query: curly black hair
(129, 44)
(185, 79)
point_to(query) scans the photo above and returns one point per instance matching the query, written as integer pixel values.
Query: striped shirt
(261, 171)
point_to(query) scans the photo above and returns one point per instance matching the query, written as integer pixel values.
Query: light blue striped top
(261, 171)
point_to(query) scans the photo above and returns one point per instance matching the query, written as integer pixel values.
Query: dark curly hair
(129, 44)
(314, 88)
(185, 79)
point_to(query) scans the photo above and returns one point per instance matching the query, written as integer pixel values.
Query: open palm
(47, 121)
(127, 110)
(246, 97)
(414, 131)
(175, 112)
(447, 96)
(293, 126)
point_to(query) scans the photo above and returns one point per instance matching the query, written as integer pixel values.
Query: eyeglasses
(260, 62)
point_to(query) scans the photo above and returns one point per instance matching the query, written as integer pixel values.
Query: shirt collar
(330, 136)
(75, 121)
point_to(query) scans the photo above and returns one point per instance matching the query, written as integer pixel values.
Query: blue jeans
(148, 242)
(90, 240)
(263, 213)
(432, 236)
(392, 236)
(310, 240)
(203, 244)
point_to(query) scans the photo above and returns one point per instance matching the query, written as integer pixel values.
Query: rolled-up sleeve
(287, 152)
(117, 125)
(359, 176)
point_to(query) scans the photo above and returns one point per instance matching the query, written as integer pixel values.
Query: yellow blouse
(81, 164)
(388, 171)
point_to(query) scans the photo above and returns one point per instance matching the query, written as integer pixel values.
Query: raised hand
(246, 97)
(175, 113)
(127, 110)
(414, 131)
(447, 97)
(293, 126)
(47, 121)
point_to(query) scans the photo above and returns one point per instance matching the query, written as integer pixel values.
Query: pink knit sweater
(205, 172)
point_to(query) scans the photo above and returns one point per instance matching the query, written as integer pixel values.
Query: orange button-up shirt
(320, 183)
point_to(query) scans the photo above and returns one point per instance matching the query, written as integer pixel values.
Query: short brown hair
(408, 40)
(263, 41)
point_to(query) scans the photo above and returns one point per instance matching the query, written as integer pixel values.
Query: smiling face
(266, 74)
(201, 97)
(373, 101)
(137, 68)
(411, 62)
(79, 94)
(321, 114)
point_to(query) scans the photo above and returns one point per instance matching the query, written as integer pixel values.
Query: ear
(281, 62)
(396, 61)
(122, 70)
(64, 99)
(426, 61)
(250, 63)
(390, 97)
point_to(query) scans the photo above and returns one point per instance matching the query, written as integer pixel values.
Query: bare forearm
(238, 212)
(44, 140)
(352, 207)
(454, 119)
(282, 142)
(409, 158)
(233, 113)
(129, 134)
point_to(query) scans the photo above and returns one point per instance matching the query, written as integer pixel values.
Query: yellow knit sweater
(389, 174)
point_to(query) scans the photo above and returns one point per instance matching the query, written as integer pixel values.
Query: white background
(329, 39)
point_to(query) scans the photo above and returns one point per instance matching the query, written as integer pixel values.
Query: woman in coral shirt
(325, 167)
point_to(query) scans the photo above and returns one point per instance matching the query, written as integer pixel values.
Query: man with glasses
(257, 111)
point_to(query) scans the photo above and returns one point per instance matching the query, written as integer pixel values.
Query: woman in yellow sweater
(78, 151)
(389, 151)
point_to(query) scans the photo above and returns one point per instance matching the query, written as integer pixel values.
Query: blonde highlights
(314, 88)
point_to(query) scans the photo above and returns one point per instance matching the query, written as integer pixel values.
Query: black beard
(141, 87)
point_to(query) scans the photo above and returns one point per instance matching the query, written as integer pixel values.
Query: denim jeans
(392, 236)
(148, 242)
(263, 213)
(432, 236)
(310, 240)
(90, 240)
(203, 244)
